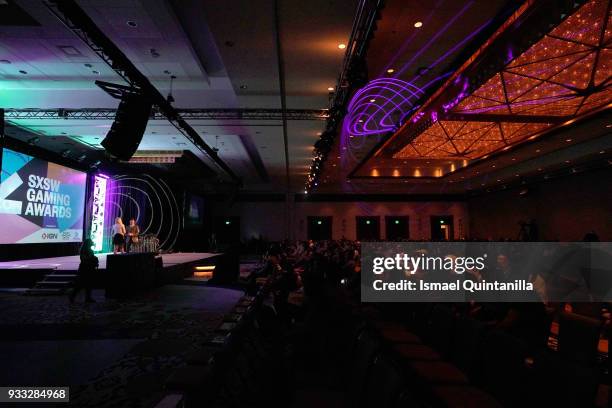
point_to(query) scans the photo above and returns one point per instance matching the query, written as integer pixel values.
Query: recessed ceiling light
(342, 46)
(418, 24)
(602, 152)
(243, 86)
(537, 150)
(69, 50)
(4, 61)
(372, 100)
(21, 71)
(609, 125)
(95, 72)
(390, 71)
(568, 140)
(132, 24)
(514, 159)
(331, 88)
(540, 169)
(87, 65)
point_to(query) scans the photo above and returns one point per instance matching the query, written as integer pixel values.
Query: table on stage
(130, 273)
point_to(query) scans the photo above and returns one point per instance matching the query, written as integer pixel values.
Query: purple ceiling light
(380, 106)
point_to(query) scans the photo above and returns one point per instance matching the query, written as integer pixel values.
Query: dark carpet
(111, 353)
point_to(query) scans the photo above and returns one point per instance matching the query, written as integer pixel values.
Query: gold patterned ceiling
(562, 77)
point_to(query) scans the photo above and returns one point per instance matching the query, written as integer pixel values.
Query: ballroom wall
(564, 209)
(269, 219)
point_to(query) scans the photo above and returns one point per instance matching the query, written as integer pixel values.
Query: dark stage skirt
(118, 239)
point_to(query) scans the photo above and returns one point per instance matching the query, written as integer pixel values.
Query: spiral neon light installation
(381, 105)
(150, 201)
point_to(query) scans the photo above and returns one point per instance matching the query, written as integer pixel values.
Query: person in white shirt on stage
(118, 236)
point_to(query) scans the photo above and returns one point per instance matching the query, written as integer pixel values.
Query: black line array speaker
(125, 135)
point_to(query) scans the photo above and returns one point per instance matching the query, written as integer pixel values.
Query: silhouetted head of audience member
(87, 246)
(591, 237)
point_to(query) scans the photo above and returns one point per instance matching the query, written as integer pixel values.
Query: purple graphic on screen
(40, 201)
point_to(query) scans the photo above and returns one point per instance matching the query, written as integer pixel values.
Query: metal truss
(364, 25)
(188, 114)
(77, 21)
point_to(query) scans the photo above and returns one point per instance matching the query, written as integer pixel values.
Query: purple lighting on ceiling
(410, 40)
(434, 38)
(464, 92)
(509, 55)
(384, 104)
(380, 106)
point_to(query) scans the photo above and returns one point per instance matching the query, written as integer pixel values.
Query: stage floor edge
(71, 263)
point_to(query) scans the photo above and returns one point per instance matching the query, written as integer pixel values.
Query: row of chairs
(455, 361)
(434, 357)
(238, 366)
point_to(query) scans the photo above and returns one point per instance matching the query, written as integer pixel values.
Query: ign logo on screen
(49, 235)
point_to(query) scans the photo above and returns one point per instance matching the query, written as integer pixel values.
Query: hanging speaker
(125, 135)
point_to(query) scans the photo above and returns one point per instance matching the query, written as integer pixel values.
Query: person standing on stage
(132, 231)
(118, 236)
(87, 268)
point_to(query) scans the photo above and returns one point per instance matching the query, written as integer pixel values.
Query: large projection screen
(40, 202)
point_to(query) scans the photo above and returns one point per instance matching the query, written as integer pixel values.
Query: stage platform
(71, 263)
(52, 272)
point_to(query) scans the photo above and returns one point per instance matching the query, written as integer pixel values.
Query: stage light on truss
(156, 156)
